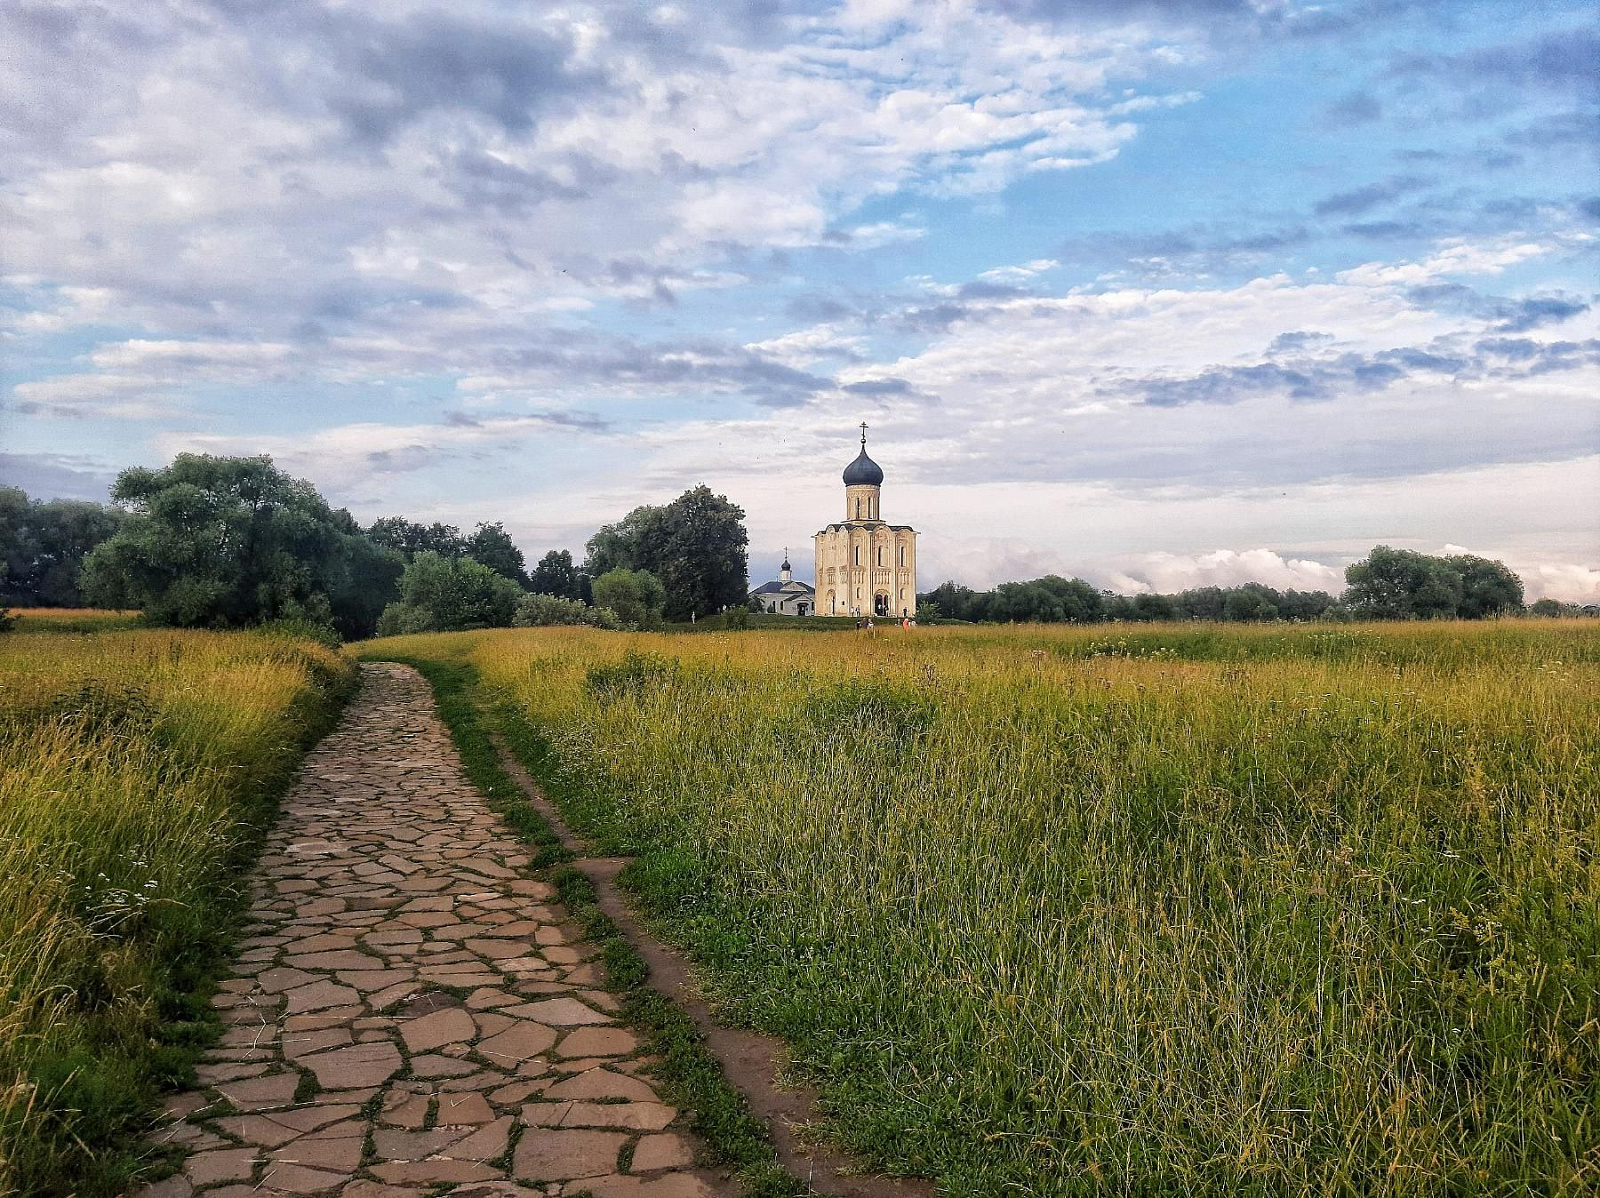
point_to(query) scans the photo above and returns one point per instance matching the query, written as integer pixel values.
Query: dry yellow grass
(133, 766)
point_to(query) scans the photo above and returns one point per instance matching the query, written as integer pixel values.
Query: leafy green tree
(556, 575)
(1201, 603)
(1398, 584)
(636, 542)
(1250, 602)
(1048, 600)
(952, 600)
(1150, 606)
(364, 580)
(696, 546)
(1488, 588)
(410, 538)
(637, 596)
(43, 545)
(1545, 607)
(493, 546)
(449, 594)
(1302, 605)
(18, 545)
(218, 542)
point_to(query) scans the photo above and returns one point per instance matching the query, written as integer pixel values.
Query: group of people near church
(865, 624)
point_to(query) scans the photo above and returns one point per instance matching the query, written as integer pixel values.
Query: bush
(302, 628)
(637, 597)
(543, 611)
(442, 594)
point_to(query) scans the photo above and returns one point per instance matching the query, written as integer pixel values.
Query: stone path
(410, 1010)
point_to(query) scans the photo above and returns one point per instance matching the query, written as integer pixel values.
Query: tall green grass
(136, 769)
(1088, 911)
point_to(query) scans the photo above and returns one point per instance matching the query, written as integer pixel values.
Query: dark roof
(866, 524)
(863, 471)
(773, 587)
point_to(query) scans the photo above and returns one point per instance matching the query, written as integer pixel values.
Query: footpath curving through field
(410, 1009)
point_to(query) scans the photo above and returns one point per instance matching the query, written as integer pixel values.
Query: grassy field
(1178, 910)
(135, 771)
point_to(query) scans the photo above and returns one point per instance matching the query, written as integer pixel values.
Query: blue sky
(1160, 294)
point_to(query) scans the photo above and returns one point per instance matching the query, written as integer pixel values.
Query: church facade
(865, 567)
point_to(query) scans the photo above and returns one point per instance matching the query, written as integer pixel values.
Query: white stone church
(864, 567)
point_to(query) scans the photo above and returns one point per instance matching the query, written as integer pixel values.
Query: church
(786, 597)
(864, 567)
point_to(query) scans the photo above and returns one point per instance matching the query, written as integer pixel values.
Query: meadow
(136, 770)
(1182, 910)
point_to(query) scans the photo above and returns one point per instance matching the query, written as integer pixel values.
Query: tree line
(1389, 584)
(227, 542)
(222, 542)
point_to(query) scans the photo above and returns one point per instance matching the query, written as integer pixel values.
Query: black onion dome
(863, 472)
(786, 565)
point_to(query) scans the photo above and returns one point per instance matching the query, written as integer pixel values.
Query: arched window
(902, 555)
(858, 555)
(858, 507)
(880, 555)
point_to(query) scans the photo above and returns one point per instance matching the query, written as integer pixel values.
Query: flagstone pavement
(409, 1009)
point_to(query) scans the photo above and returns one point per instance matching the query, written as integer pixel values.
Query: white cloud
(1170, 572)
(1021, 273)
(1457, 257)
(1567, 582)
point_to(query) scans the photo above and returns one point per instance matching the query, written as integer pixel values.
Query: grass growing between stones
(1181, 910)
(137, 770)
(690, 1074)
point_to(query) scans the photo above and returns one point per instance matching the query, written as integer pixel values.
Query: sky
(1160, 294)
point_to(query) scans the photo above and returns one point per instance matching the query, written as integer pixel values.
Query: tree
(1048, 600)
(1303, 605)
(1545, 607)
(951, 599)
(364, 581)
(1150, 606)
(409, 538)
(556, 575)
(1250, 602)
(637, 596)
(218, 542)
(633, 543)
(1488, 588)
(695, 546)
(1398, 584)
(43, 544)
(449, 594)
(493, 546)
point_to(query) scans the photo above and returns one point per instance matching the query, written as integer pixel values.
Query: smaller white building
(784, 596)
